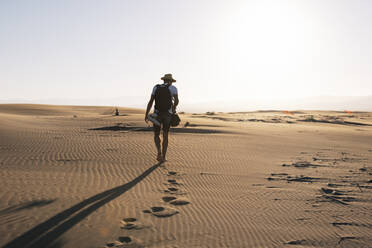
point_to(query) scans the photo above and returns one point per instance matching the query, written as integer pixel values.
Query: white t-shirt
(173, 91)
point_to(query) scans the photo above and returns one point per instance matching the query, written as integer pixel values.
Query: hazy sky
(230, 49)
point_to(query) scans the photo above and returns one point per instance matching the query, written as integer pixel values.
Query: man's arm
(149, 106)
(175, 103)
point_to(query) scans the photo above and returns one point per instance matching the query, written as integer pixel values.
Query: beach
(79, 176)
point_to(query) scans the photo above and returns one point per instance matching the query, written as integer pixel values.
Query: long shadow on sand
(150, 129)
(47, 233)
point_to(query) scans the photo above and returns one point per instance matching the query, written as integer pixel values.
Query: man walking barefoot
(166, 101)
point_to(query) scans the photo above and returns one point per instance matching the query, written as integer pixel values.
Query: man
(166, 101)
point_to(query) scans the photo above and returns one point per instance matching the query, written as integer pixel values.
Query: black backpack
(163, 98)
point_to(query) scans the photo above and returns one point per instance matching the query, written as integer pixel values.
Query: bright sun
(269, 43)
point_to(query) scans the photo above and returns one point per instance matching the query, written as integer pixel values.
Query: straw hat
(168, 77)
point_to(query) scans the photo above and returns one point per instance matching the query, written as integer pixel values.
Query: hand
(146, 119)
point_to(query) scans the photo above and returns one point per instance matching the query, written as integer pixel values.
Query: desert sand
(74, 176)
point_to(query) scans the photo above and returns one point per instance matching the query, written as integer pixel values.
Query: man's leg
(165, 144)
(157, 141)
(166, 126)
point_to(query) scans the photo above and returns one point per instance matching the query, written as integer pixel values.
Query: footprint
(175, 201)
(131, 223)
(346, 238)
(126, 242)
(113, 244)
(303, 219)
(174, 191)
(296, 242)
(169, 198)
(173, 182)
(130, 242)
(161, 211)
(174, 174)
(130, 219)
(179, 202)
(344, 224)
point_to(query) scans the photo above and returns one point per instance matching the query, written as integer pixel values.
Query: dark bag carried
(175, 120)
(163, 98)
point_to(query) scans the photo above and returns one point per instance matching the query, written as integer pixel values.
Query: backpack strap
(156, 86)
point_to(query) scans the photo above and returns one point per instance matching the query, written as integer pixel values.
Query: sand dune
(76, 176)
(56, 110)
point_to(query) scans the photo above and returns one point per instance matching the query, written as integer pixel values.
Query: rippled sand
(74, 176)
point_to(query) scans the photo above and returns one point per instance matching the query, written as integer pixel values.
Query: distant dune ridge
(62, 110)
(340, 103)
(79, 176)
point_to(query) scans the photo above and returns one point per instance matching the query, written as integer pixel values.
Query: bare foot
(159, 158)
